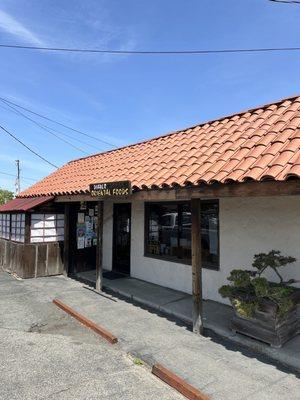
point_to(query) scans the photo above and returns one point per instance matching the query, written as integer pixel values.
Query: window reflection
(210, 233)
(168, 231)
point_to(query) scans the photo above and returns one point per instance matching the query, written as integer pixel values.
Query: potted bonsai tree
(267, 311)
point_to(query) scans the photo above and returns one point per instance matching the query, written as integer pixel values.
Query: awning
(25, 203)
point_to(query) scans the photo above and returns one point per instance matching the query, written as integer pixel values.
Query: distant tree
(5, 196)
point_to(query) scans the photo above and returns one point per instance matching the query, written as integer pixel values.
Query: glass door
(121, 238)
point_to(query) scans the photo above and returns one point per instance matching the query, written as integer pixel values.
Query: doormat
(111, 275)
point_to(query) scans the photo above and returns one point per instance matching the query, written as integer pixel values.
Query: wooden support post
(196, 266)
(99, 247)
(66, 256)
(27, 228)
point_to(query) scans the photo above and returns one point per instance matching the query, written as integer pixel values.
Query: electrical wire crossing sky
(78, 80)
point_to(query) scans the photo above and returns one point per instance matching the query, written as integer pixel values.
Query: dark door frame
(115, 205)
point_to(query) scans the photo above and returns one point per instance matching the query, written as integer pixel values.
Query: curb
(112, 339)
(148, 304)
(177, 383)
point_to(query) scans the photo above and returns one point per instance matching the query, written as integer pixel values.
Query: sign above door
(111, 189)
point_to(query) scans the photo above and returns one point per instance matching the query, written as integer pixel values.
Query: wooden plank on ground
(87, 322)
(173, 380)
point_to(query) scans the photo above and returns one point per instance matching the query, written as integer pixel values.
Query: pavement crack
(36, 327)
(49, 396)
(14, 329)
(175, 300)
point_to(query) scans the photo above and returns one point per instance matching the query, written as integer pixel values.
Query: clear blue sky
(124, 99)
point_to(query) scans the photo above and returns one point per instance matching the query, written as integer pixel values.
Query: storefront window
(210, 234)
(47, 228)
(168, 232)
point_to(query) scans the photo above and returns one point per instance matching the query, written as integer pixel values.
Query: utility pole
(18, 178)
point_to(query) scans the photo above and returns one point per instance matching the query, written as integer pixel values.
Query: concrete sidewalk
(213, 365)
(179, 305)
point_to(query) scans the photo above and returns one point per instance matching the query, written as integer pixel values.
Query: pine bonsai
(248, 289)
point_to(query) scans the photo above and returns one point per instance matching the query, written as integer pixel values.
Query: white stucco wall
(253, 225)
(247, 226)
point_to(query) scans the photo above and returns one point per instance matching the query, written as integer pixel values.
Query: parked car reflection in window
(168, 232)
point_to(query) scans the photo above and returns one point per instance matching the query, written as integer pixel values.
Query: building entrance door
(83, 239)
(121, 238)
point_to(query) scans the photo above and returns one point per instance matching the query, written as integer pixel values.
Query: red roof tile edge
(209, 121)
(258, 144)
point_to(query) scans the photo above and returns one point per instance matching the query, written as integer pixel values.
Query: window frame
(169, 258)
(12, 237)
(44, 228)
(7, 225)
(13, 230)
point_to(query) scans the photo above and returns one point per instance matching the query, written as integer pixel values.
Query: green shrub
(261, 286)
(239, 278)
(226, 291)
(245, 308)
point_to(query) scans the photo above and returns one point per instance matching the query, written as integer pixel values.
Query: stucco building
(203, 200)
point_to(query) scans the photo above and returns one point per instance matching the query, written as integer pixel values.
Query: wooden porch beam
(74, 198)
(197, 266)
(99, 251)
(248, 189)
(215, 191)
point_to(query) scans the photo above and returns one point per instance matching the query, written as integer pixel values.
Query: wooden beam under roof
(214, 191)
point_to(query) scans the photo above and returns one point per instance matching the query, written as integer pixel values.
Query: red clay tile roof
(259, 144)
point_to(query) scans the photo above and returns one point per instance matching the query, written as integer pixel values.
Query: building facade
(200, 202)
(247, 226)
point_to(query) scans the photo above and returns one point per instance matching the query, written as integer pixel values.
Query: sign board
(111, 189)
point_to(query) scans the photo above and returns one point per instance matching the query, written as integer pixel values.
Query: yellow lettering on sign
(110, 192)
(120, 192)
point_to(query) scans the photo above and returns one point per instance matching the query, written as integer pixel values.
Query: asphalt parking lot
(45, 354)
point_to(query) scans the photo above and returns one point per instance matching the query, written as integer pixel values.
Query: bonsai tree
(274, 260)
(249, 289)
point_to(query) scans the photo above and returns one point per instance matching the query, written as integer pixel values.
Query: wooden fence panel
(31, 260)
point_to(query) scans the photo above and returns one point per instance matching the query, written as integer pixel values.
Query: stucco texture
(247, 226)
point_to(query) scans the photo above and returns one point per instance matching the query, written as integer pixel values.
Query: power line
(23, 177)
(27, 147)
(44, 127)
(286, 1)
(47, 126)
(57, 122)
(153, 52)
(75, 139)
